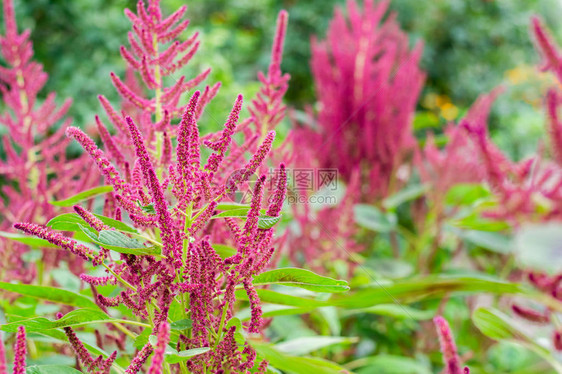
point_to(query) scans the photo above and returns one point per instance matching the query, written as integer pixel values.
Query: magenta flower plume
(448, 347)
(35, 167)
(267, 108)
(104, 165)
(158, 358)
(172, 200)
(139, 360)
(164, 219)
(367, 93)
(3, 364)
(20, 351)
(551, 54)
(56, 238)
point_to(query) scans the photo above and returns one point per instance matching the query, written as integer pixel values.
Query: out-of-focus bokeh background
(470, 48)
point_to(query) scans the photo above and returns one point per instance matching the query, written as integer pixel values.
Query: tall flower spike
(104, 165)
(448, 347)
(367, 82)
(267, 108)
(139, 359)
(20, 351)
(3, 366)
(163, 339)
(276, 201)
(220, 146)
(552, 57)
(56, 238)
(164, 219)
(34, 167)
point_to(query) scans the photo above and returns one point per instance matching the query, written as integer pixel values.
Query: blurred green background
(471, 46)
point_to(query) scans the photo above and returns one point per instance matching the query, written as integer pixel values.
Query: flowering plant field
(351, 234)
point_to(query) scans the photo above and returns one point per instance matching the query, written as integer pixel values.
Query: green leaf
(430, 287)
(267, 222)
(404, 195)
(273, 310)
(26, 239)
(53, 294)
(61, 336)
(388, 364)
(475, 222)
(84, 195)
(224, 251)
(308, 344)
(374, 219)
(121, 243)
(425, 120)
(264, 222)
(182, 324)
(72, 222)
(296, 365)
(390, 267)
(78, 317)
(301, 278)
(396, 311)
(539, 247)
(231, 206)
(117, 225)
(50, 369)
(498, 326)
(66, 222)
(466, 194)
(493, 241)
(174, 358)
(268, 296)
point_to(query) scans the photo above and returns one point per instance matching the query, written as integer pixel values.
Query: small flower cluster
(448, 347)
(35, 147)
(171, 196)
(20, 352)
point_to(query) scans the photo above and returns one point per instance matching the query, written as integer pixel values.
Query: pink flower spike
(139, 359)
(448, 347)
(255, 162)
(20, 351)
(3, 365)
(107, 169)
(276, 202)
(277, 49)
(163, 339)
(56, 238)
(129, 94)
(92, 220)
(552, 57)
(256, 320)
(160, 205)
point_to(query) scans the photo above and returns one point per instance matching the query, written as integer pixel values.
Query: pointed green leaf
(84, 195)
(78, 317)
(28, 240)
(182, 324)
(374, 219)
(51, 369)
(296, 365)
(174, 358)
(308, 344)
(121, 243)
(53, 294)
(404, 195)
(301, 278)
(498, 326)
